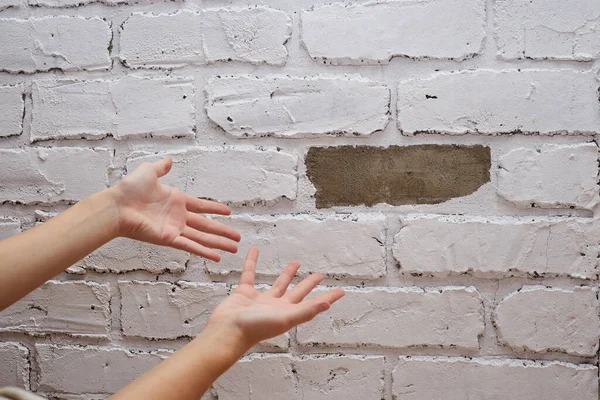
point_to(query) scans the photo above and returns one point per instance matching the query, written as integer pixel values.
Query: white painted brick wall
(14, 365)
(375, 32)
(285, 377)
(74, 308)
(299, 106)
(552, 176)
(47, 174)
(490, 295)
(113, 367)
(66, 43)
(460, 378)
(255, 35)
(551, 29)
(494, 247)
(95, 109)
(400, 318)
(11, 119)
(9, 227)
(123, 255)
(272, 173)
(540, 319)
(183, 309)
(507, 101)
(346, 246)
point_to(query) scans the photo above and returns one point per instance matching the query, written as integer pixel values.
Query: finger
(284, 280)
(162, 167)
(207, 240)
(249, 268)
(302, 289)
(185, 244)
(196, 205)
(204, 224)
(309, 309)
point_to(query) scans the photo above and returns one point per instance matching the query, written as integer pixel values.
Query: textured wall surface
(437, 159)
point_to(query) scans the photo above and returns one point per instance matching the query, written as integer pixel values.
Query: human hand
(159, 214)
(255, 316)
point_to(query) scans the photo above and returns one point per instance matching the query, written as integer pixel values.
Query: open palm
(259, 316)
(156, 213)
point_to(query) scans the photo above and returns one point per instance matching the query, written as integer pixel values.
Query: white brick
(67, 369)
(250, 175)
(75, 308)
(255, 35)
(4, 4)
(536, 101)
(124, 255)
(13, 106)
(439, 378)
(257, 377)
(14, 365)
(130, 107)
(66, 43)
(340, 377)
(71, 3)
(551, 176)
(377, 31)
(400, 318)
(533, 29)
(44, 174)
(494, 247)
(159, 310)
(9, 227)
(543, 319)
(262, 376)
(344, 245)
(297, 107)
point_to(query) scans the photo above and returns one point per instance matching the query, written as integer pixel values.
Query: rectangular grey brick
(129, 107)
(271, 376)
(550, 29)
(73, 308)
(252, 175)
(509, 101)
(297, 106)
(373, 33)
(544, 319)
(336, 245)
(496, 247)
(13, 107)
(63, 42)
(254, 35)
(400, 318)
(14, 365)
(67, 369)
(441, 378)
(44, 175)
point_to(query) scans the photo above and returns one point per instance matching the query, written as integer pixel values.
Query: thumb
(162, 167)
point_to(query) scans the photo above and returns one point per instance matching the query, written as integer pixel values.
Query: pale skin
(141, 208)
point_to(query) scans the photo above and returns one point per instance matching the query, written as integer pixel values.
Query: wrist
(229, 340)
(104, 207)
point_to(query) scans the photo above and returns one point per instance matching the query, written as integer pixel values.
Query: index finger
(196, 205)
(249, 268)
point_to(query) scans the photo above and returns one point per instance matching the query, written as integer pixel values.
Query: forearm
(191, 371)
(29, 259)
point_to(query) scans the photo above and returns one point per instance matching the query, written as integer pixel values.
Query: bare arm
(245, 318)
(139, 207)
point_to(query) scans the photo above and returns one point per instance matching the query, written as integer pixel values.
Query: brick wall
(437, 159)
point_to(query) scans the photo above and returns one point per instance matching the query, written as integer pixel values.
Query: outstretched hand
(258, 316)
(159, 214)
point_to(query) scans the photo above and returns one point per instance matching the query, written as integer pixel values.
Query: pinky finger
(185, 244)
